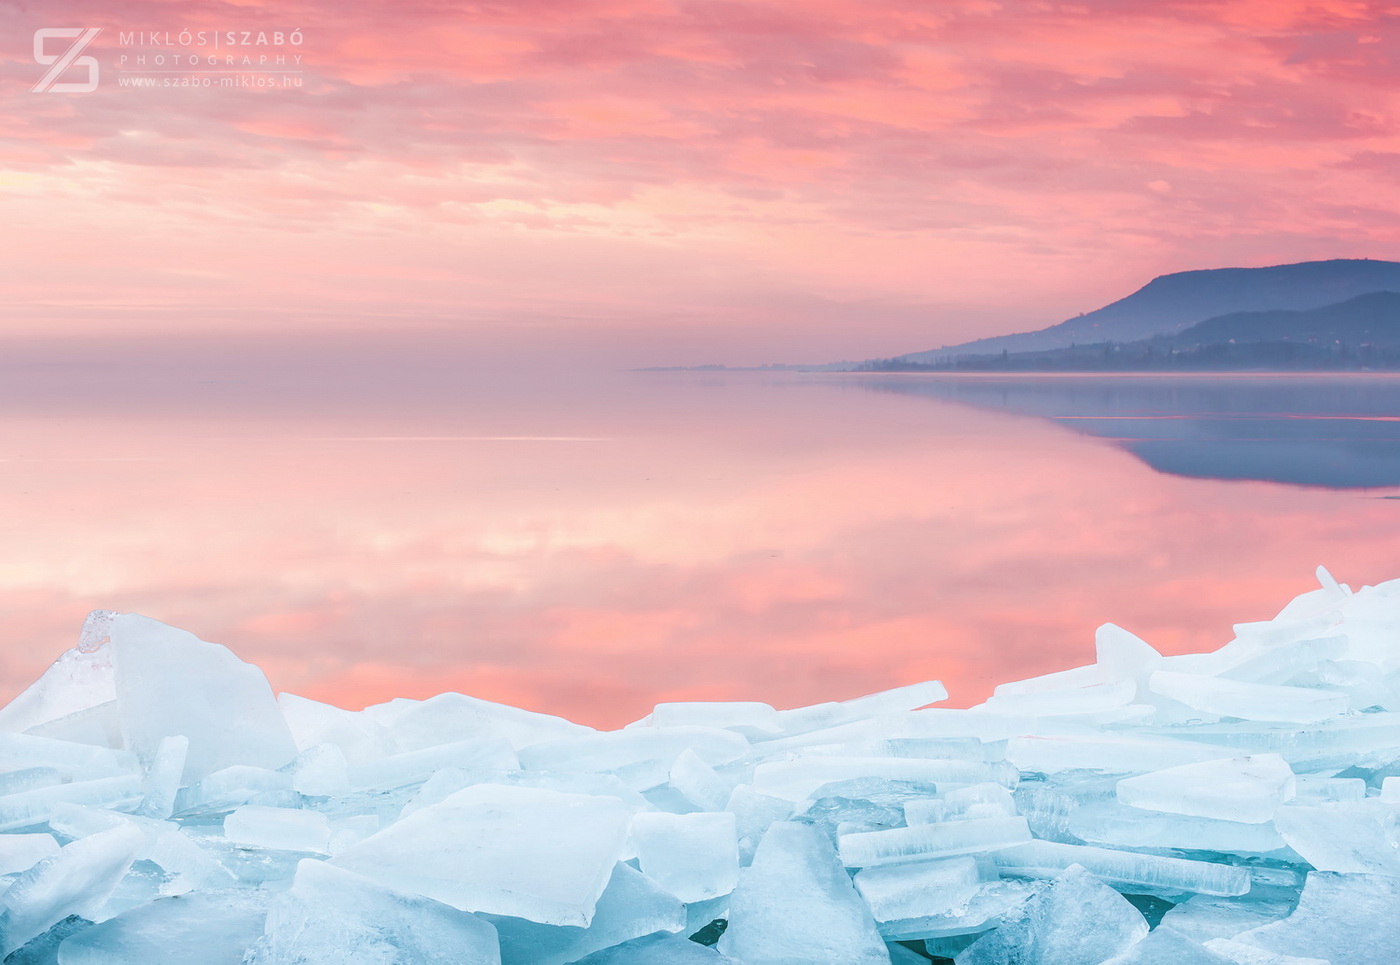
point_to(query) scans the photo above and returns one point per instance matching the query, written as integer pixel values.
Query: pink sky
(693, 181)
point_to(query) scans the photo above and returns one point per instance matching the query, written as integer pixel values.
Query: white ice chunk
(631, 906)
(75, 682)
(993, 901)
(208, 927)
(170, 682)
(526, 852)
(641, 757)
(73, 760)
(1116, 825)
(286, 829)
(1113, 753)
(226, 789)
(74, 881)
(321, 770)
(28, 809)
(867, 849)
(795, 780)
(918, 889)
(1095, 698)
(1248, 701)
(163, 776)
(1244, 789)
(1242, 954)
(753, 814)
(452, 717)
(746, 716)
(360, 737)
(1167, 947)
(414, 767)
(910, 697)
(1390, 790)
(1074, 920)
(1312, 789)
(20, 852)
(331, 916)
(796, 904)
(1204, 917)
(1344, 919)
(1041, 859)
(699, 783)
(693, 856)
(1341, 837)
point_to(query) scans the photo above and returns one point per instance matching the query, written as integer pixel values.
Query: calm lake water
(591, 545)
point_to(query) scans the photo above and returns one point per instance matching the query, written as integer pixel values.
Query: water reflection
(1341, 432)
(590, 547)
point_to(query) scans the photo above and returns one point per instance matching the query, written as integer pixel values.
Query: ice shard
(1074, 920)
(331, 916)
(795, 905)
(525, 852)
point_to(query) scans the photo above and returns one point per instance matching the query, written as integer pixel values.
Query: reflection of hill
(1341, 432)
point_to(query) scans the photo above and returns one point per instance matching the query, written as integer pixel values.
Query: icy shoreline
(160, 804)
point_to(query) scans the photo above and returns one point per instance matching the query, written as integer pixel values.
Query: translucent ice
(77, 681)
(20, 852)
(525, 852)
(74, 881)
(1344, 919)
(451, 717)
(1341, 837)
(917, 889)
(871, 848)
(1167, 947)
(1126, 868)
(172, 683)
(631, 906)
(698, 782)
(693, 856)
(413, 767)
(795, 905)
(1245, 789)
(27, 809)
(1249, 701)
(1242, 954)
(286, 829)
(1075, 920)
(331, 916)
(209, 927)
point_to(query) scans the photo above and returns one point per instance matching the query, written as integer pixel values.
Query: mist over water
(365, 525)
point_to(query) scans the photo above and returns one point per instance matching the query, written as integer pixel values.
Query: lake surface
(589, 545)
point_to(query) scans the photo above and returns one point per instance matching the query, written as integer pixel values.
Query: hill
(1169, 304)
(1359, 333)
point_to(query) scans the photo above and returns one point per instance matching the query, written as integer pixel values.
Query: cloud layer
(772, 179)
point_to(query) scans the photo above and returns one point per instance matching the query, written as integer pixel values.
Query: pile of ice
(160, 805)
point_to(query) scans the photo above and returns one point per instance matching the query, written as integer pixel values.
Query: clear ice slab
(795, 905)
(525, 852)
(1074, 920)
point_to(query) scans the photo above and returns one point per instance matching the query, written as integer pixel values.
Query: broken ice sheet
(693, 856)
(1073, 920)
(526, 852)
(1347, 919)
(796, 904)
(208, 927)
(1246, 789)
(331, 916)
